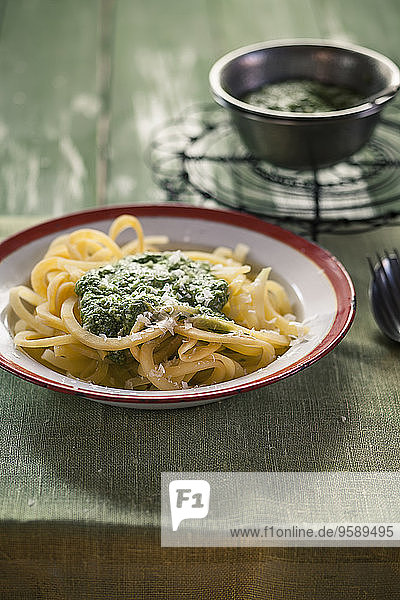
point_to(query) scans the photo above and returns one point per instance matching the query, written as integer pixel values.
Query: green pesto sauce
(303, 96)
(113, 296)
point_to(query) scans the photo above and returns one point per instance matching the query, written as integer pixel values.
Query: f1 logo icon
(189, 499)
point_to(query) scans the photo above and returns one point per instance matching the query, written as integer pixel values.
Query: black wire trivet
(198, 158)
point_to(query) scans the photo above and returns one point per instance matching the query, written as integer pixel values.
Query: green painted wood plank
(3, 5)
(236, 23)
(366, 22)
(373, 25)
(48, 106)
(104, 78)
(161, 64)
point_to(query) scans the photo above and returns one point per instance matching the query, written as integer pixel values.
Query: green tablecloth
(79, 481)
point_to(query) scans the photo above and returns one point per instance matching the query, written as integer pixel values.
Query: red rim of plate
(333, 269)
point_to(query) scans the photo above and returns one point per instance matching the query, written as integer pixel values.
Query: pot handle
(384, 95)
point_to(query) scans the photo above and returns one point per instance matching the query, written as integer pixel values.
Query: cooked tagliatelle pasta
(135, 317)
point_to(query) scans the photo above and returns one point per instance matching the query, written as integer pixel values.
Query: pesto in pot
(305, 96)
(153, 283)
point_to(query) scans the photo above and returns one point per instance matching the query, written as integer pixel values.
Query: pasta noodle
(170, 350)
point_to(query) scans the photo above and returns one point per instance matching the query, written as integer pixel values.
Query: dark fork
(384, 293)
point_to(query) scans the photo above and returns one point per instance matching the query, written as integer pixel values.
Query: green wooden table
(83, 84)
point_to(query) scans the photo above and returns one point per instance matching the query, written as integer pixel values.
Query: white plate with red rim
(319, 288)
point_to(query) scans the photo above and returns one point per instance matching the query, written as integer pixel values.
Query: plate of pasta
(166, 306)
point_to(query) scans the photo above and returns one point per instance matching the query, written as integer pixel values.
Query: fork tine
(382, 314)
(390, 296)
(388, 308)
(394, 272)
(395, 267)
